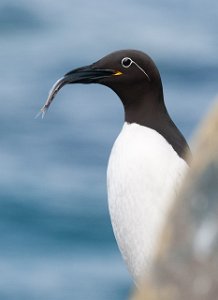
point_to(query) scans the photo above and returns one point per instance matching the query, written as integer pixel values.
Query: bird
(148, 160)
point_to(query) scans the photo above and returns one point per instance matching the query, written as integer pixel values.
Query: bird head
(131, 74)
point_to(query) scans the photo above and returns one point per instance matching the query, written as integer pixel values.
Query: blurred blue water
(56, 237)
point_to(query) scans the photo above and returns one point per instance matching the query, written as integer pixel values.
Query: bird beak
(87, 74)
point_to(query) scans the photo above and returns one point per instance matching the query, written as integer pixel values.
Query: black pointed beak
(87, 74)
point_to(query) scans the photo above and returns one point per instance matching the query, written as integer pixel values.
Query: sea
(56, 239)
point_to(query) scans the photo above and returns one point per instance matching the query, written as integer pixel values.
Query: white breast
(144, 174)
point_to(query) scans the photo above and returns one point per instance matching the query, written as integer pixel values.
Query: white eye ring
(126, 62)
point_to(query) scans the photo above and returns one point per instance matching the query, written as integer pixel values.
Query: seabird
(148, 159)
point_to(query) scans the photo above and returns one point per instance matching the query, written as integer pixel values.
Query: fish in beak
(87, 74)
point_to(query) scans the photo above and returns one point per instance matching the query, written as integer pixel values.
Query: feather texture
(144, 175)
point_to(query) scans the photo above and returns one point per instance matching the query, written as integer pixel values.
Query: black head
(133, 76)
(136, 76)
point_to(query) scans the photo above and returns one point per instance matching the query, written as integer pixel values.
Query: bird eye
(126, 62)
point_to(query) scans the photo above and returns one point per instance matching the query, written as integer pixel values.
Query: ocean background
(56, 238)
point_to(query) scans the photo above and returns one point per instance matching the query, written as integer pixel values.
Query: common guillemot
(148, 160)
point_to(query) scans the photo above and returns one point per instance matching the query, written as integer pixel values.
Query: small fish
(52, 93)
(87, 74)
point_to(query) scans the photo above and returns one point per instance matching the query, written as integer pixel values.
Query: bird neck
(147, 109)
(150, 111)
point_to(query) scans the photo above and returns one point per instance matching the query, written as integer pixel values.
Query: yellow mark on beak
(117, 73)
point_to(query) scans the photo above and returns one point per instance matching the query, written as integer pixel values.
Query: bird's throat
(144, 111)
